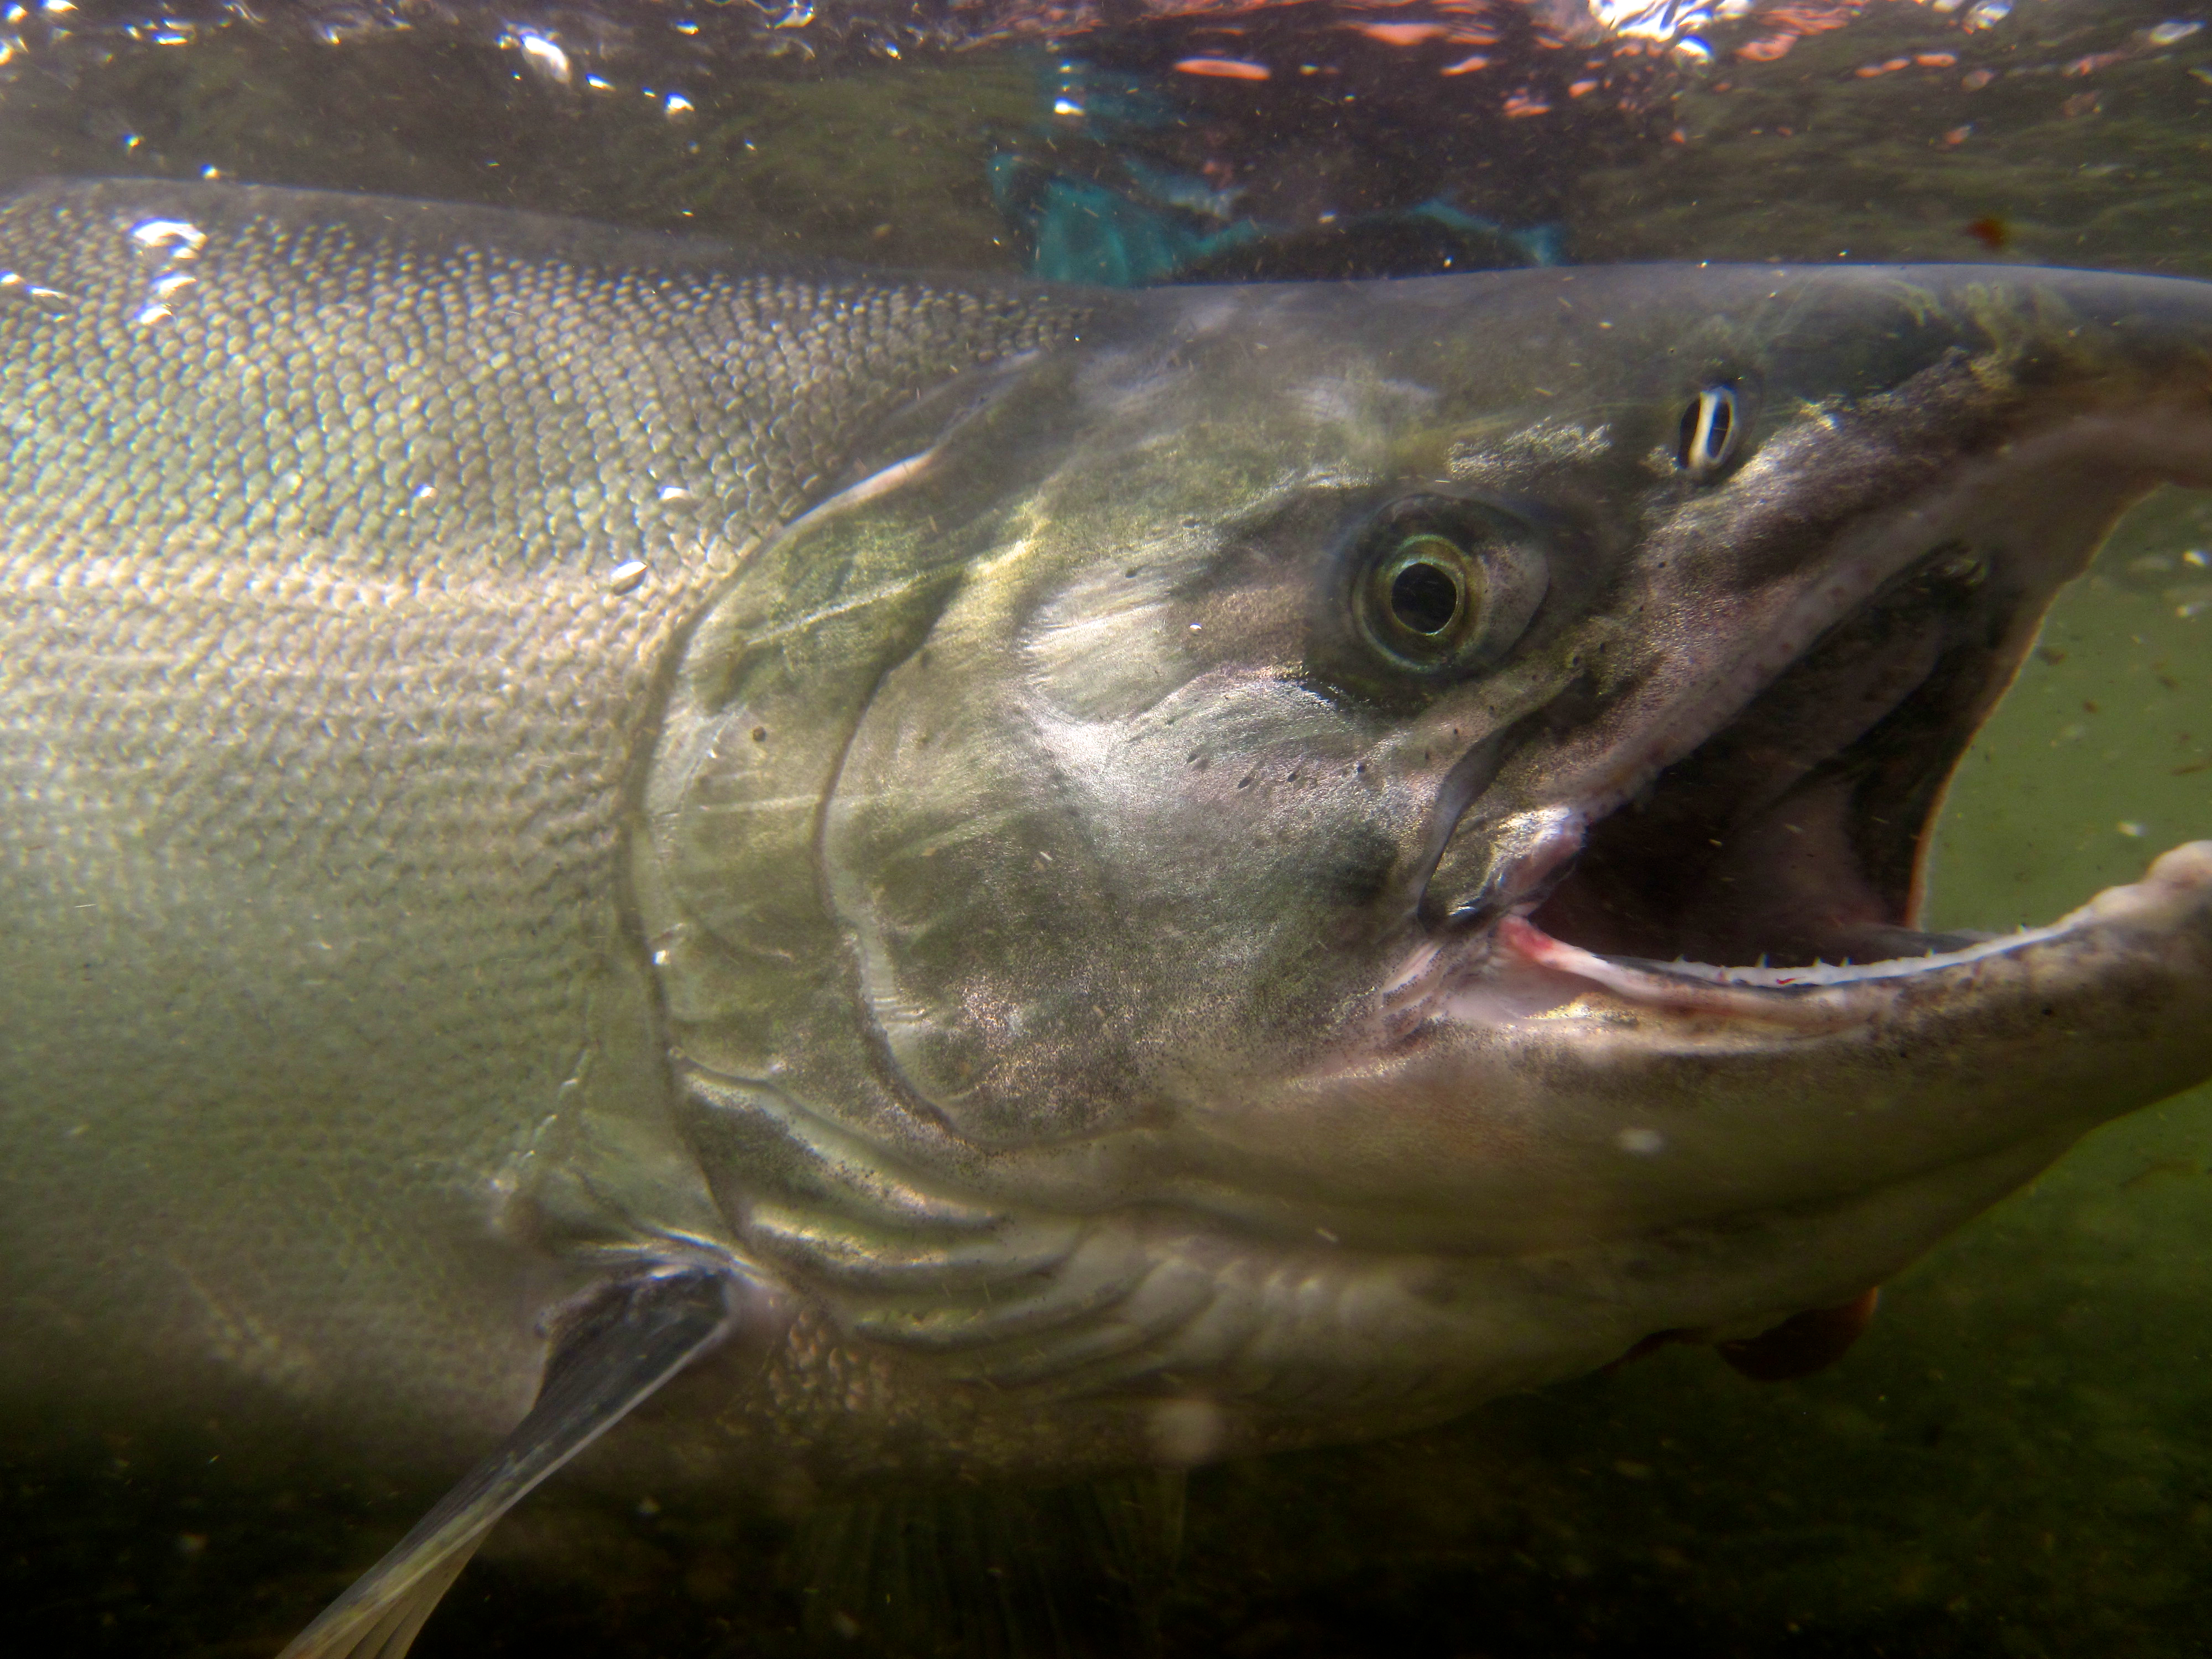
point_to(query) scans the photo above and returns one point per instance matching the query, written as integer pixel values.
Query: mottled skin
(984, 881)
(1211, 1124)
(315, 754)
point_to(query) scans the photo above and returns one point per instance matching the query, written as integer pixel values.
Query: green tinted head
(1224, 798)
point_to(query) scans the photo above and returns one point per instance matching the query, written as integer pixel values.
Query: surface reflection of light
(1224, 68)
(544, 54)
(1499, 51)
(1652, 20)
(179, 237)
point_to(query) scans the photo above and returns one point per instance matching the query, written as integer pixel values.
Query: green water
(2015, 1460)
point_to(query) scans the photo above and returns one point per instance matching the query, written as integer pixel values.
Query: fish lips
(1761, 829)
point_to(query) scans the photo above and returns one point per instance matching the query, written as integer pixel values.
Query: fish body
(1004, 882)
(379, 728)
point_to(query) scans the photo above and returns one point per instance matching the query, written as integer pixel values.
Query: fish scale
(275, 725)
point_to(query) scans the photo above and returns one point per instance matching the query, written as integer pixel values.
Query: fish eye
(1709, 431)
(1427, 585)
(1447, 583)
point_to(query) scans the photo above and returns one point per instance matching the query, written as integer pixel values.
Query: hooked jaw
(1760, 836)
(1666, 976)
(2175, 895)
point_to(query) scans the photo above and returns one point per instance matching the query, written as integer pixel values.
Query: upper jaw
(1768, 815)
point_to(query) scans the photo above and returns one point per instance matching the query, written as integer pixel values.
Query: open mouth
(1782, 854)
(1791, 837)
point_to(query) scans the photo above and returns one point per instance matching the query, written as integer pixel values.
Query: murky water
(2018, 1458)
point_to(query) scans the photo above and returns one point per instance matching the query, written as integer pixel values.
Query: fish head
(1439, 773)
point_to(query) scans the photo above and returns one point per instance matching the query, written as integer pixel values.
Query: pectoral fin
(1800, 1346)
(614, 1350)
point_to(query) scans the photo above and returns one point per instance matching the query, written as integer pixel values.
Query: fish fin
(1803, 1344)
(1070, 1572)
(613, 1349)
(388, 1629)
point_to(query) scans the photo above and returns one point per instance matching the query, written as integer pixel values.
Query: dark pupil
(1717, 434)
(1424, 598)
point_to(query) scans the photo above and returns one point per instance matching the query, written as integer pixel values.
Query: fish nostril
(1947, 572)
(1961, 566)
(1709, 431)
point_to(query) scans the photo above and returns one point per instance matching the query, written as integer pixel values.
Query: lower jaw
(1832, 995)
